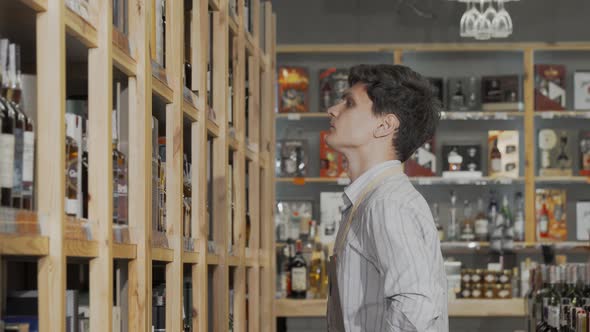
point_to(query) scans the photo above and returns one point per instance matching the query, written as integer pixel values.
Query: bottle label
(299, 279)
(18, 163)
(481, 227)
(6, 160)
(283, 286)
(496, 165)
(554, 316)
(28, 156)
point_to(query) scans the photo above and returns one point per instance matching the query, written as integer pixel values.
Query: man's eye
(348, 103)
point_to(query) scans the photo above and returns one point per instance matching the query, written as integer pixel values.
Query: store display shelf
(302, 181)
(123, 61)
(81, 248)
(562, 179)
(213, 259)
(519, 247)
(457, 308)
(299, 116)
(162, 89)
(37, 5)
(162, 254)
(233, 260)
(24, 245)
(483, 181)
(212, 128)
(124, 251)
(191, 257)
(481, 115)
(80, 29)
(190, 110)
(563, 114)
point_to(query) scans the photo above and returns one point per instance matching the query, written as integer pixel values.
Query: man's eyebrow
(347, 95)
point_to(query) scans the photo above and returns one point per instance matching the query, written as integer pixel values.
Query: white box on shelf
(582, 221)
(582, 90)
(331, 207)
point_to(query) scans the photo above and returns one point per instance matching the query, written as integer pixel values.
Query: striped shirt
(390, 271)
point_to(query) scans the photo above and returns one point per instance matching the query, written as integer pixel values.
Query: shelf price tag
(343, 181)
(501, 116)
(299, 181)
(424, 182)
(547, 115)
(294, 116)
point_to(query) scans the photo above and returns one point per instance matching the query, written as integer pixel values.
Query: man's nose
(333, 111)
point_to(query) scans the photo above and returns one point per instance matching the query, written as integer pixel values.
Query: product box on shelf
(331, 208)
(292, 158)
(582, 90)
(551, 214)
(293, 90)
(331, 162)
(462, 161)
(556, 151)
(292, 219)
(463, 94)
(422, 162)
(503, 153)
(501, 93)
(584, 144)
(550, 90)
(438, 88)
(333, 83)
(583, 221)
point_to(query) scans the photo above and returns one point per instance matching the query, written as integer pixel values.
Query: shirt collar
(353, 191)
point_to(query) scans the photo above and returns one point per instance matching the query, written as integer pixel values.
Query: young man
(387, 271)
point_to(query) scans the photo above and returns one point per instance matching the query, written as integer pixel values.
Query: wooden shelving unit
(55, 23)
(523, 56)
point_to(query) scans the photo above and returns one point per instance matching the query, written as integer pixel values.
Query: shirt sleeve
(403, 258)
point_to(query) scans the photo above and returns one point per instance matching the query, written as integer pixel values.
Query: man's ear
(388, 125)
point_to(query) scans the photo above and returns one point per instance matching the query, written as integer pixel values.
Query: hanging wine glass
(483, 25)
(468, 20)
(502, 23)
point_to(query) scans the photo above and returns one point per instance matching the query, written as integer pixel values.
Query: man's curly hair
(398, 90)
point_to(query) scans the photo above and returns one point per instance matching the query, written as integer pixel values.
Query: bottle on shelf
(543, 221)
(481, 223)
(495, 159)
(284, 286)
(467, 233)
(7, 132)
(458, 98)
(317, 271)
(519, 218)
(186, 198)
(508, 234)
(452, 229)
(119, 167)
(72, 203)
(298, 273)
(436, 217)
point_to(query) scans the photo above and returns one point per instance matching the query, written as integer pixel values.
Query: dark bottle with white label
(298, 273)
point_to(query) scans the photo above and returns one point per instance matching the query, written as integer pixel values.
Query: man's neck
(360, 161)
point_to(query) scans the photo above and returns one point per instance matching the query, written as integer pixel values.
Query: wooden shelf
(80, 29)
(81, 248)
(190, 257)
(23, 245)
(299, 116)
(484, 181)
(562, 179)
(162, 254)
(212, 128)
(457, 308)
(547, 115)
(519, 247)
(302, 181)
(36, 5)
(124, 62)
(124, 251)
(233, 260)
(162, 90)
(190, 110)
(213, 259)
(481, 115)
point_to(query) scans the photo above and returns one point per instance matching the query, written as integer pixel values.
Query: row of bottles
(559, 298)
(499, 224)
(17, 134)
(302, 268)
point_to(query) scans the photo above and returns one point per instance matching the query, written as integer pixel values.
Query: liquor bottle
(84, 165)
(508, 231)
(553, 299)
(492, 212)
(472, 99)
(284, 286)
(298, 273)
(28, 165)
(13, 101)
(326, 93)
(452, 230)
(317, 271)
(7, 138)
(436, 217)
(72, 172)
(563, 160)
(309, 241)
(119, 166)
(519, 218)
(230, 97)
(495, 159)
(540, 297)
(481, 223)
(458, 98)
(467, 230)
(543, 223)
(187, 198)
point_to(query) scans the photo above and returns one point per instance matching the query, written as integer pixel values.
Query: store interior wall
(395, 21)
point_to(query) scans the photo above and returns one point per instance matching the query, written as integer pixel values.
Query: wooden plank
(36, 5)
(100, 168)
(124, 251)
(300, 308)
(124, 62)
(162, 90)
(255, 8)
(233, 260)
(174, 162)
(140, 159)
(24, 245)
(162, 255)
(529, 145)
(213, 259)
(254, 299)
(190, 110)
(233, 25)
(80, 248)
(297, 116)
(215, 5)
(190, 257)
(51, 85)
(397, 57)
(80, 29)
(239, 287)
(212, 128)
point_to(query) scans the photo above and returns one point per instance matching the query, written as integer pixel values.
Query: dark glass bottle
(298, 273)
